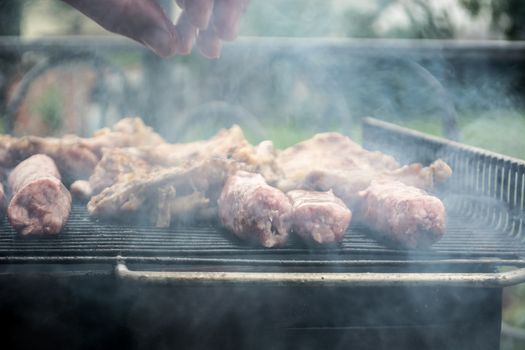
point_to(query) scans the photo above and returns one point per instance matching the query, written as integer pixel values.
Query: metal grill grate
(485, 222)
(84, 237)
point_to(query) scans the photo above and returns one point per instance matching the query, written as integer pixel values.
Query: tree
(508, 16)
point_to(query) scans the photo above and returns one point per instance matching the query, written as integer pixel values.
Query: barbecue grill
(196, 286)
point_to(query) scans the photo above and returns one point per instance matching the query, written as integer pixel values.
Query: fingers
(224, 25)
(186, 33)
(199, 12)
(140, 20)
(163, 43)
(209, 44)
(226, 17)
(145, 22)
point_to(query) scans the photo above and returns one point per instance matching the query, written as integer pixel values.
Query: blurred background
(451, 68)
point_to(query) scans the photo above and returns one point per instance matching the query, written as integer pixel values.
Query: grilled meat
(154, 196)
(333, 162)
(401, 214)
(81, 190)
(328, 152)
(116, 164)
(346, 183)
(40, 203)
(319, 217)
(255, 211)
(204, 164)
(133, 173)
(76, 157)
(227, 144)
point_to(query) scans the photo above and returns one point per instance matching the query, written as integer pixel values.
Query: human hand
(208, 22)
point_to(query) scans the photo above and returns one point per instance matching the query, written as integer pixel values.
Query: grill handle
(350, 279)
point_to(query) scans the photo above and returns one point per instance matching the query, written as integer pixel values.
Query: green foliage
(49, 107)
(499, 131)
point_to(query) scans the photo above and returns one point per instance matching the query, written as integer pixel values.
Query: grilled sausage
(403, 215)
(40, 203)
(255, 211)
(319, 217)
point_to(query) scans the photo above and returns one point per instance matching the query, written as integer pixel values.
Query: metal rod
(350, 279)
(256, 262)
(472, 49)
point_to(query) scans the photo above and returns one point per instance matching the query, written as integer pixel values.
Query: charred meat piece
(255, 211)
(403, 215)
(419, 176)
(328, 151)
(331, 160)
(76, 157)
(158, 196)
(319, 217)
(81, 190)
(40, 203)
(226, 144)
(346, 184)
(117, 163)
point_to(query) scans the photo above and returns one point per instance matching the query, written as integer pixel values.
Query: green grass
(498, 131)
(501, 132)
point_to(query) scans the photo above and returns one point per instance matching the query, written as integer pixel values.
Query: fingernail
(162, 42)
(209, 47)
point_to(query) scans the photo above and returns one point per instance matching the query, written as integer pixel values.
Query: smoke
(286, 90)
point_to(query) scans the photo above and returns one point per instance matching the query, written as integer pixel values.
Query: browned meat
(227, 144)
(40, 203)
(127, 132)
(319, 217)
(76, 157)
(81, 190)
(202, 167)
(419, 176)
(401, 214)
(154, 196)
(117, 163)
(346, 184)
(328, 152)
(255, 211)
(333, 162)
(3, 202)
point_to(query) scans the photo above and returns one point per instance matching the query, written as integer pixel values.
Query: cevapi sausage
(40, 203)
(255, 211)
(403, 215)
(319, 217)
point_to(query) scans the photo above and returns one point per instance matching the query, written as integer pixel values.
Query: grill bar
(382, 279)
